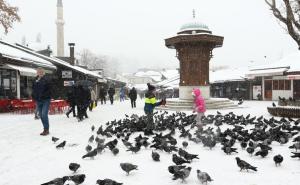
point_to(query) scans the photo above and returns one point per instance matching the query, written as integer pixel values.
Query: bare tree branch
(8, 15)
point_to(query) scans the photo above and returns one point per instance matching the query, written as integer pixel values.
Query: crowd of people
(82, 97)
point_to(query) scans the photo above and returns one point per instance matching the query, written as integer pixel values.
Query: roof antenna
(194, 14)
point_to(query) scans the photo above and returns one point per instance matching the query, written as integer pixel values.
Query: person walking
(41, 93)
(111, 93)
(199, 107)
(133, 97)
(122, 94)
(93, 99)
(102, 95)
(71, 101)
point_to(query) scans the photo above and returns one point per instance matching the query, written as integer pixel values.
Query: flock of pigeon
(255, 135)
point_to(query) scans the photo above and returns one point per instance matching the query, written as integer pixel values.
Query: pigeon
(88, 148)
(262, 153)
(241, 101)
(229, 150)
(54, 139)
(295, 155)
(250, 150)
(273, 104)
(90, 154)
(61, 145)
(57, 181)
(127, 167)
(244, 165)
(78, 179)
(178, 160)
(203, 177)
(115, 151)
(91, 139)
(155, 156)
(278, 159)
(185, 144)
(108, 182)
(74, 167)
(296, 146)
(175, 168)
(93, 128)
(182, 174)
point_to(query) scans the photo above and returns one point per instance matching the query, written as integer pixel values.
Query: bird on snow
(155, 156)
(182, 174)
(91, 139)
(296, 146)
(175, 168)
(93, 128)
(108, 182)
(203, 177)
(295, 155)
(185, 144)
(127, 167)
(278, 159)
(115, 151)
(74, 167)
(61, 145)
(178, 160)
(244, 165)
(90, 154)
(57, 181)
(273, 104)
(88, 148)
(54, 139)
(78, 179)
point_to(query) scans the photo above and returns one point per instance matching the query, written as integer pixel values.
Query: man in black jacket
(41, 93)
(102, 95)
(111, 93)
(133, 97)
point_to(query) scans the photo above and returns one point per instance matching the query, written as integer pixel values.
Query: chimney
(72, 54)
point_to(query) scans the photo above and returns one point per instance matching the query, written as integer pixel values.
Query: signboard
(68, 83)
(293, 77)
(256, 92)
(6, 83)
(66, 74)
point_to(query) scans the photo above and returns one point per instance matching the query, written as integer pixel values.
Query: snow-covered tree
(8, 15)
(287, 12)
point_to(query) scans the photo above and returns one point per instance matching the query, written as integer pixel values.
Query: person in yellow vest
(150, 104)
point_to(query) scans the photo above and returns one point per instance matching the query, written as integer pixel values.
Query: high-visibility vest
(150, 100)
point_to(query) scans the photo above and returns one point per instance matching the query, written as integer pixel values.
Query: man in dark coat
(133, 97)
(111, 93)
(41, 93)
(102, 95)
(71, 101)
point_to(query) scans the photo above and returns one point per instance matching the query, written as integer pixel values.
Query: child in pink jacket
(199, 106)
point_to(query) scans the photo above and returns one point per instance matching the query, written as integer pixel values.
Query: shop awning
(24, 71)
(266, 72)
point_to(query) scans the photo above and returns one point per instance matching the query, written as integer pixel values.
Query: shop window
(281, 84)
(287, 85)
(275, 85)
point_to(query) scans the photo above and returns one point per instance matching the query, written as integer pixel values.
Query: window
(281, 84)
(275, 85)
(287, 84)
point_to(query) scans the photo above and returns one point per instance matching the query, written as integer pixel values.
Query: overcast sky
(134, 30)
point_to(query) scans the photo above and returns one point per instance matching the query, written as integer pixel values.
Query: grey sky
(134, 30)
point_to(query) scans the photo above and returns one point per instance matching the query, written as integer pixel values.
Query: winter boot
(45, 132)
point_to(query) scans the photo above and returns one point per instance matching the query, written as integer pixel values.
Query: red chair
(4, 105)
(17, 106)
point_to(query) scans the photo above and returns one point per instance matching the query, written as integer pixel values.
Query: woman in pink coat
(199, 106)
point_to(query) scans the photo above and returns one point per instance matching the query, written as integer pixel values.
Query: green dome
(194, 25)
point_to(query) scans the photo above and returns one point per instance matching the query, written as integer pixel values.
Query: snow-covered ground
(29, 159)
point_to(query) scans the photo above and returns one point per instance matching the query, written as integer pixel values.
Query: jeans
(43, 109)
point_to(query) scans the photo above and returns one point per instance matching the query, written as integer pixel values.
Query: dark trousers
(82, 111)
(103, 100)
(133, 103)
(72, 109)
(111, 98)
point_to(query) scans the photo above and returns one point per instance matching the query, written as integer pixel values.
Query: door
(268, 90)
(296, 88)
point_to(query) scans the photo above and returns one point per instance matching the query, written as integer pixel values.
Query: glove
(163, 102)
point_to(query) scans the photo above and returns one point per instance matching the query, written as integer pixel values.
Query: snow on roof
(266, 72)
(141, 87)
(55, 60)
(14, 52)
(170, 73)
(166, 83)
(290, 62)
(223, 75)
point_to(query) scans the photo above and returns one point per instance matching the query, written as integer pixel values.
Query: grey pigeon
(88, 148)
(61, 145)
(127, 167)
(57, 181)
(78, 179)
(108, 182)
(155, 156)
(244, 165)
(54, 139)
(90, 154)
(203, 177)
(91, 139)
(74, 167)
(182, 174)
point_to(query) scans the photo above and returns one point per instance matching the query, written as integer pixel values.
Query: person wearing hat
(150, 104)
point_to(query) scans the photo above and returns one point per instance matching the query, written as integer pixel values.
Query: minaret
(60, 29)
